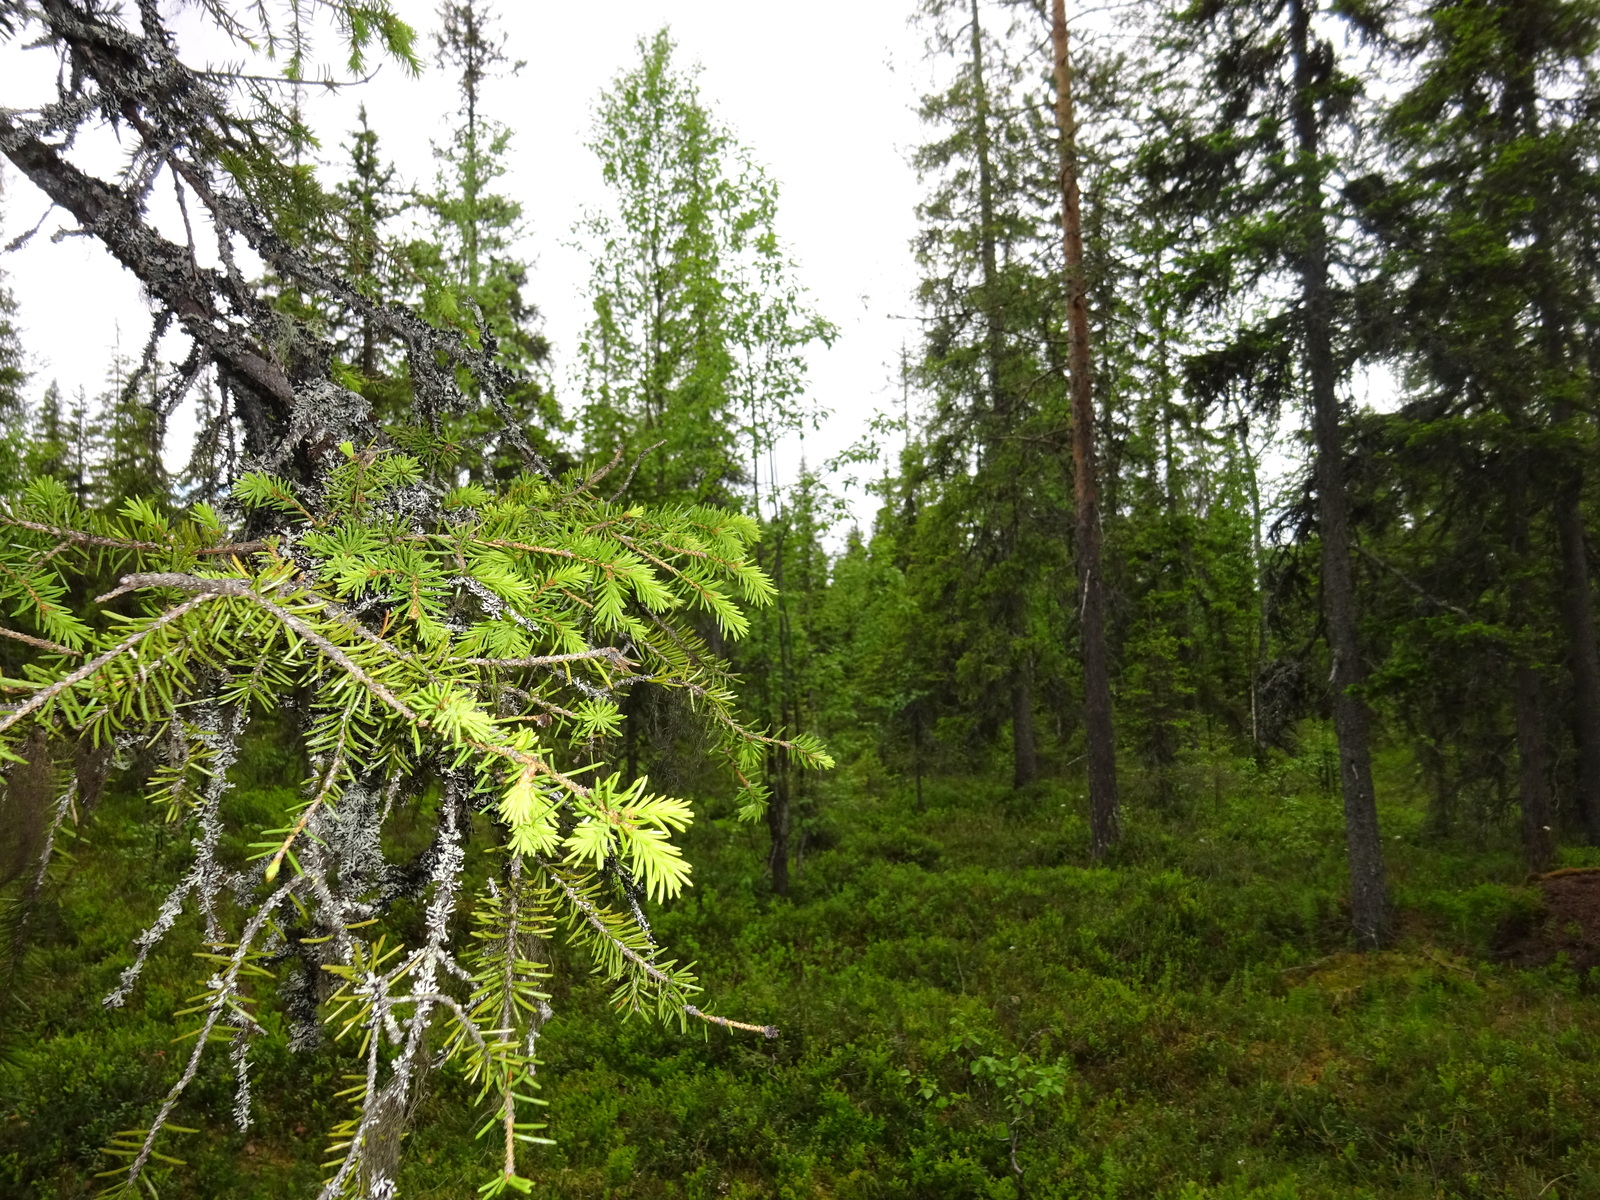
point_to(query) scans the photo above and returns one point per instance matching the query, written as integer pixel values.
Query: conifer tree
(14, 377)
(127, 438)
(1488, 285)
(699, 327)
(1251, 157)
(368, 199)
(786, 662)
(49, 443)
(470, 267)
(73, 457)
(214, 457)
(1105, 822)
(989, 302)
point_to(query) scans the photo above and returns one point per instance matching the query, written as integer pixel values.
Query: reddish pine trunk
(1104, 814)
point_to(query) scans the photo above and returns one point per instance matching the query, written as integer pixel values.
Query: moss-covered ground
(967, 1007)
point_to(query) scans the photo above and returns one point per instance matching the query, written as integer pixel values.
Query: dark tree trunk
(918, 736)
(1578, 611)
(778, 824)
(1369, 897)
(1024, 754)
(1538, 846)
(1522, 118)
(1104, 815)
(778, 806)
(1436, 767)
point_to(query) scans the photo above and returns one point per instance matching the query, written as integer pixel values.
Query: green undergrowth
(968, 1009)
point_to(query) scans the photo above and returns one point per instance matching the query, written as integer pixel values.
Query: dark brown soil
(1568, 922)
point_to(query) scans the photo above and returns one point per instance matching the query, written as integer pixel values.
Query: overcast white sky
(822, 92)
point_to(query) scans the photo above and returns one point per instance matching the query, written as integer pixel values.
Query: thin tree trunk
(778, 806)
(1369, 895)
(916, 753)
(1522, 116)
(1436, 766)
(778, 823)
(1024, 753)
(1258, 568)
(1578, 611)
(1520, 113)
(1104, 815)
(1538, 846)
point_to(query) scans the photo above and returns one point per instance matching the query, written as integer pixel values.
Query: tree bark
(1369, 898)
(1024, 751)
(1538, 846)
(1578, 611)
(1104, 810)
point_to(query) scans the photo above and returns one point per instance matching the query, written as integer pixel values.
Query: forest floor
(968, 1009)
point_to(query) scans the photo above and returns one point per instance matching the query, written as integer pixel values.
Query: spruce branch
(222, 1003)
(473, 637)
(44, 696)
(41, 643)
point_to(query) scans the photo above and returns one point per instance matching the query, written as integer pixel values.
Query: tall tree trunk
(1369, 896)
(778, 807)
(778, 822)
(1258, 569)
(1578, 611)
(1523, 119)
(1024, 753)
(1538, 846)
(1104, 815)
(916, 752)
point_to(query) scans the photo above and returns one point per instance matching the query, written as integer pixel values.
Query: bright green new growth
(445, 647)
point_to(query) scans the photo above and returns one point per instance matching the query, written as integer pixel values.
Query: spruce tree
(699, 328)
(214, 456)
(786, 662)
(49, 444)
(127, 438)
(990, 304)
(1487, 287)
(14, 376)
(1256, 133)
(470, 266)
(369, 199)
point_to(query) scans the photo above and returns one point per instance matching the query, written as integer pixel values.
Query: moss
(1214, 1034)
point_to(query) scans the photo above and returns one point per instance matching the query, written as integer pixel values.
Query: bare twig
(41, 698)
(633, 470)
(604, 653)
(766, 1031)
(53, 647)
